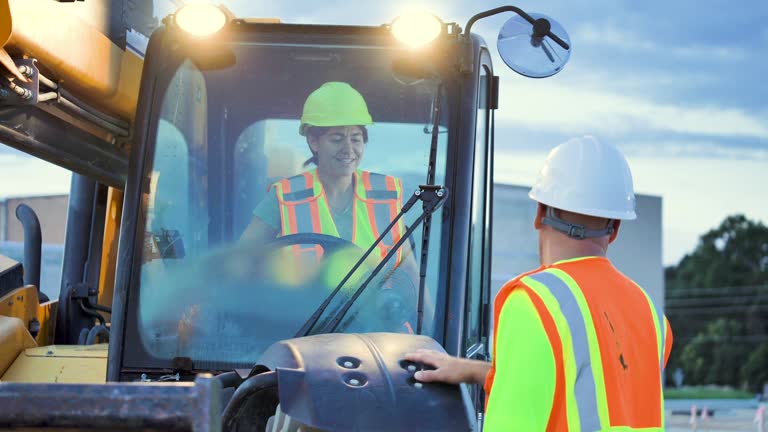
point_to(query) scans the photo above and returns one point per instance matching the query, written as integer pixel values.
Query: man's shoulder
(517, 282)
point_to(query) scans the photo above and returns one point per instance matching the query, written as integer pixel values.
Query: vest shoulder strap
(298, 188)
(375, 186)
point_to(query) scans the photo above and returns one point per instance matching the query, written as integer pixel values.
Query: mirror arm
(496, 11)
(540, 26)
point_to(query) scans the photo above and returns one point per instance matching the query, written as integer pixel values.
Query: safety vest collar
(577, 259)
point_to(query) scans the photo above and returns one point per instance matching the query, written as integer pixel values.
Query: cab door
(476, 317)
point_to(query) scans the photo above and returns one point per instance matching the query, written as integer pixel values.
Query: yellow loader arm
(69, 93)
(68, 40)
(5, 22)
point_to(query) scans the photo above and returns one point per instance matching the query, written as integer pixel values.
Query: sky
(678, 86)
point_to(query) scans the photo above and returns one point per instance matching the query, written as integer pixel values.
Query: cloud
(671, 148)
(343, 12)
(589, 33)
(7, 160)
(569, 109)
(606, 35)
(7, 151)
(698, 193)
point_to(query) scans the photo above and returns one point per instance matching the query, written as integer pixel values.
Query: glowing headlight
(200, 19)
(417, 28)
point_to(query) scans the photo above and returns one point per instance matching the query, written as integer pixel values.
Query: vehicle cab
(217, 126)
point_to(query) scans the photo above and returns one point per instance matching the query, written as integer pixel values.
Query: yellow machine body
(69, 41)
(60, 364)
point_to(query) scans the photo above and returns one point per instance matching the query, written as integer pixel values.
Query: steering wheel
(391, 302)
(329, 243)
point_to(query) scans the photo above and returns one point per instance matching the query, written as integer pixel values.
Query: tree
(755, 370)
(715, 355)
(733, 255)
(717, 303)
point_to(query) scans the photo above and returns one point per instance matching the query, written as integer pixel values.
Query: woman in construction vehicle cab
(336, 197)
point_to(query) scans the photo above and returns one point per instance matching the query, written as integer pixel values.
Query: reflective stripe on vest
(377, 200)
(661, 334)
(586, 405)
(586, 397)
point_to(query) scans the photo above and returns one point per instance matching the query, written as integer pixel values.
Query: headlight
(200, 19)
(417, 29)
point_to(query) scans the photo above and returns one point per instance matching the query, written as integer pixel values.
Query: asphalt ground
(725, 415)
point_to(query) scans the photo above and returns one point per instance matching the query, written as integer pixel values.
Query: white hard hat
(585, 176)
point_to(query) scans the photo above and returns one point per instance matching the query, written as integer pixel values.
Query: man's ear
(541, 210)
(615, 232)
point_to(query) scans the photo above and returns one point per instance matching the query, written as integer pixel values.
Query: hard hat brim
(304, 126)
(595, 212)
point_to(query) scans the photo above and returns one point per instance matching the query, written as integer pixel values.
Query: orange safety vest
(377, 201)
(610, 343)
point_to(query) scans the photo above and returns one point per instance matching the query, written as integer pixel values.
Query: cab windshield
(229, 159)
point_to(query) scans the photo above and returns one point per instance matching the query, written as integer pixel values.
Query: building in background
(637, 252)
(51, 210)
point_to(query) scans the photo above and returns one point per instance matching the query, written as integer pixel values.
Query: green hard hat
(334, 104)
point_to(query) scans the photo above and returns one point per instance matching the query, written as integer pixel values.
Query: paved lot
(731, 420)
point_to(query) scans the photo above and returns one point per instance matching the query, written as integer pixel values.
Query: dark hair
(317, 131)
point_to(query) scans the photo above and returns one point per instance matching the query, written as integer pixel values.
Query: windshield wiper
(433, 197)
(436, 101)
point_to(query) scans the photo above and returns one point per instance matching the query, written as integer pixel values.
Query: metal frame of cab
(457, 211)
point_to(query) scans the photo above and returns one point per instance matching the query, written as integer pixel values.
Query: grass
(706, 393)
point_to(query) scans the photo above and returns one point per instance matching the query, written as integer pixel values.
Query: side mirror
(165, 244)
(529, 49)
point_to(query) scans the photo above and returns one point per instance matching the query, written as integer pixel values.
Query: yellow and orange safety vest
(606, 347)
(377, 200)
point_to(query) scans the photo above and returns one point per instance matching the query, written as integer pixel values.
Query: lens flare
(200, 19)
(416, 29)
